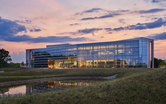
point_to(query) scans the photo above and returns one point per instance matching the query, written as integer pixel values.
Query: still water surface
(45, 87)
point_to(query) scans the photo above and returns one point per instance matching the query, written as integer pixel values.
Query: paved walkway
(10, 83)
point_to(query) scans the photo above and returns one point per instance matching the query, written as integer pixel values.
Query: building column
(152, 54)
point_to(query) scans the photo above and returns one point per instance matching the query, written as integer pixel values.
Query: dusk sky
(27, 24)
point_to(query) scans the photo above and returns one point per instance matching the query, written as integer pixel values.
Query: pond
(45, 87)
(1, 71)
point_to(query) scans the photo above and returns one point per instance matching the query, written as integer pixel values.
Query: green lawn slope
(11, 74)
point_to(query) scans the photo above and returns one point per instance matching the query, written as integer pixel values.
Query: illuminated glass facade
(131, 53)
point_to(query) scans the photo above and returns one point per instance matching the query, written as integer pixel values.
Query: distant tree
(4, 57)
(22, 63)
(158, 62)
(13, 65)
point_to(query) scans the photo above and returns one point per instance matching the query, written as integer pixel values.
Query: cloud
(24, 21)
(35, 30)
(107, 13)
(9, 29)
(98, 10)
(27, 22)
(93, 10)
(49, 39)
(119, 29)
(161, 36)
(88, 31)
(154, 1)
(75, 24)
(56, 39)
(141, 26)
(151, 11)
(109, 30)
(102, 17)
(157, 1)
(110, 14)
(90, 11)
(85, 31)
(161, 3)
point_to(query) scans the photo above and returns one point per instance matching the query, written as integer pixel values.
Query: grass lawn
(24, 74)
(132, 87)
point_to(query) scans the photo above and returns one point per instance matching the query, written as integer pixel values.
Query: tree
(4, 57)
(158, 62)
(22, 63)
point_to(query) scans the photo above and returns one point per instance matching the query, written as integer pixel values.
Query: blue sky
(26, 24)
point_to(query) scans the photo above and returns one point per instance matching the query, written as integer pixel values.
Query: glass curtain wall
(129, 53)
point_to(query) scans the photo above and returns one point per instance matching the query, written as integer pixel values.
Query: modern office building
(131, 53)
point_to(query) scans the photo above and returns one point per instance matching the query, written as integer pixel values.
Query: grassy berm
(11, 74)
(146, 87)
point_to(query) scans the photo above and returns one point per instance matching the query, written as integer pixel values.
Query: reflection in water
(63, 84)
(45, 87)
(14, 90)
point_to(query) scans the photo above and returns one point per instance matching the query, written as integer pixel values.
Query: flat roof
(98, 42)
(83, 44)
